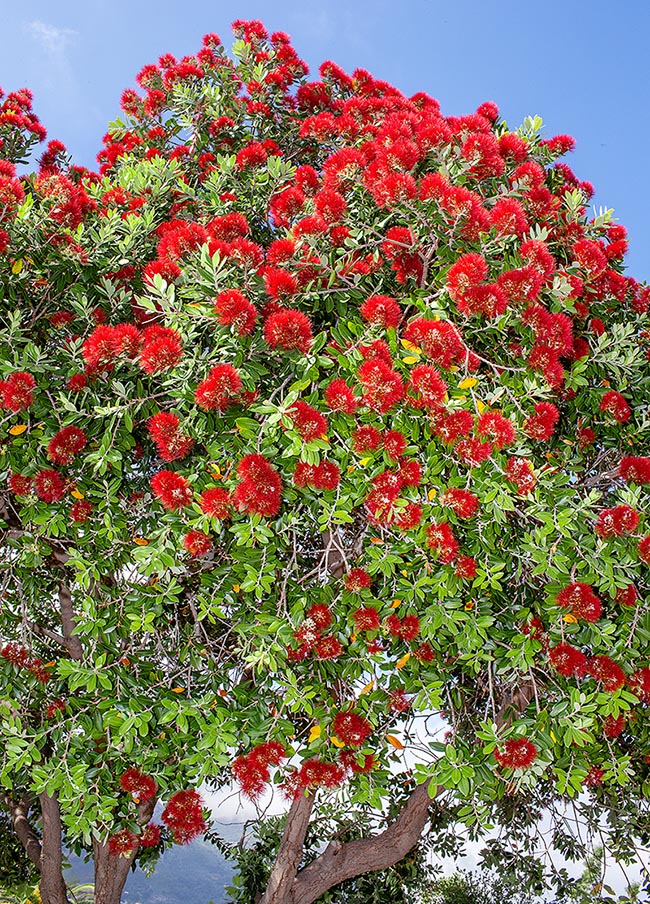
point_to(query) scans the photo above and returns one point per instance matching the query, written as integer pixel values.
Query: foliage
(323, 455)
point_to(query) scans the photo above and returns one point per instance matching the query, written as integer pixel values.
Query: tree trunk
(52, 885)
(279, 889)
(111, 871)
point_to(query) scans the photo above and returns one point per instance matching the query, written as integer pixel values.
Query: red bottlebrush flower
(220, 390)
(77, 382)
(216, 502)
(183, 816)
(469, 271)
(279, 283)
(314, 774)
(406, 628)
(80, 511)
(617, 521)
(520, 472)
(427, 387)
(541, 425)
(366, 439)
(398, 702)
(229, 226)
(16, 655)
(440, 538)
(303, 474)
(410, 473)
(627, 596)
(464, 503)
(162, 349)
(351, 728)
(260, 490)
(330, 205)
(325, 476)
(321, 615)
(450, 427)
(357, 579)
(289, 330)
(613, 726)
(21, 485)
(328, 648)
(164, 430)
(559, 144)
(56, 706)
(496, 427)
(394, 443)
(173, 490)
(382, 310)
(197, 543)
(568, 660)
(516, 753)
(639, 683)
(49, 485)
(424, 653)
(254, 154)
(137, 783)
(234, 309)
(608, 672)
(590, 256)
(150, 837)
(594, 777)
(350, 760)
(465, 568)
(382, 386)
(340, 397)
(440, 340)
(488, 299)
(581, 601)
(644, 549)
(17, 391)
(473, 452)
(586, 438)
(366, 618)
(635, 470)
(308, 422)
(409, 517)
(122, 843)
(508, 217)
(613, 403)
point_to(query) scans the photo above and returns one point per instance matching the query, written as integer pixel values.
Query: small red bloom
(541, 425)
(357, 579)
(613, 726)
(216, 502)
(328, 648)
(581, 600)
(366, 618)
(516, 753)
(80, 511)
(260, 490)
(568, 660)
(289, 330)
(382, 310)
(197, 543)
(183, 816)
(171, 443)
(150, 837)
(17, 391)
(613, 403)
(520, 472)
(138, 783)
(639, 683)
(220, 390)
(234, 309)
(340, 397)
(308, 422)
(49, 485)
(617, 521)
(351, 728)
(122, 843)
(440, 537)
(464, 503)
(635, 469)
(608, 672)
(365, 439)
(162, 349)
(173, 490)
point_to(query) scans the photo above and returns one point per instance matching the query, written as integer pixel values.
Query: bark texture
(111, 871)
(52, 885)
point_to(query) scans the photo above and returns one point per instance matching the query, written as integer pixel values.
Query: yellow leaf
(353, 637)
(315, 733)
(140, 541)
(336, 741)
(570, 619)
(395, 604)
(469, 605)
(364, 461)
(368, 688)
(17, 429)
(433, 492)
(481, 406)
(553, 738)
(411, 347)
(77, 494)
(395, 742)
(411, 360)
(402, 662)
(216, 473)
(467, 383)
(236, 588)
(377, 541)
(16, 267)
(178, 690)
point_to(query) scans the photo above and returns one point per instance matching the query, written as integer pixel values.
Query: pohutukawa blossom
(171, 442)
(581, 601)
(639, 683)
(617, 521)
(426, 387)
(17, 391)
(308, 421)
(357, 579)
(440, 538)
(494, 426)
(366, 438)
(234, 309)
(614, 404)
(541, 424)
(608, 672)
(407, 628)
(216, 502)
(464, 503)
(635, 469)
(162, 349)
(351, 728)
(197, 543)
(172, 489)
(340, 397)
(568, 660)
(381, 310)
(183, 816)
(49, 485)
(644, 549)
(80, 511)
(122, 843)
(260, 489)
(220, 390)
(516, 753)
(366, 618)
(382, 386)
(138, 783)
(289, 330)
(520, 472)
(66, 445)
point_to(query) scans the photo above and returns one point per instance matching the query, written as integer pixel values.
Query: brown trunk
(21, 826)
(111, 871)
(72, 642)
(52, 885)
(279, 889)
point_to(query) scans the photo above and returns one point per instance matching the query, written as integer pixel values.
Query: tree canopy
(324, 448)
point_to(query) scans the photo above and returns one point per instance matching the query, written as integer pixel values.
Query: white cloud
(53, 39)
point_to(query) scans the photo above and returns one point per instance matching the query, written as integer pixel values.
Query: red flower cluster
(122, 843)
(381, 310)
(520, 472)
(17, 391)
(66, 444)
(107, 343)
(183, 816)
(308, 422)
(464, 503)
(541, 425)
(427, 387)
(234, 309)
(608, 672)
(197, 543)
(357, 579)
(313, 773)
(171, 443)
(173, 490)
(252, 771)
(289, 330)
(516, 753)
(613, 403)
(639, 683)
(22, 659)
(568, 660)
(581, 601)
(260, 489)
(382, 386)
(366, 618)
(440, 340)
(216, 503)
(324, 476)
(406, 628)
(617, 521)
(220, 390)
(440, 537)
(635, 470)
(162, 349)
(340, 397)
(49, 485)
(142, 786)
(351, 728)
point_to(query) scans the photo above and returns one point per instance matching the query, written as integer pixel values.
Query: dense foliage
(324, 436)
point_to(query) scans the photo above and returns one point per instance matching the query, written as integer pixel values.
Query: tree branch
(72, 642)
(19, 813)
(52, 886)
(282, 878)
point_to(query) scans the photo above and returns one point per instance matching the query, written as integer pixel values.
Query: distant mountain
(196, 874)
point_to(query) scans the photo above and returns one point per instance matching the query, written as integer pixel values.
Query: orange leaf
(570, 619)
(336, 741)
(402, 662)
(395, 604)
(17, 429)
(395, 742)
(178, 690)
(77, 494)
(469, 605)
(140, 541)
(367, 688)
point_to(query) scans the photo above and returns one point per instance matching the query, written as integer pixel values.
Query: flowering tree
(323, 421)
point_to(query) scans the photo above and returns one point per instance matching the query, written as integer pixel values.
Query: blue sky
(580, 66)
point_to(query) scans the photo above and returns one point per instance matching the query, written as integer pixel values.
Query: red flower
(613, 726)
(260, 490)
(314, 774)
(321, 615)
(427, 387)
(220, 390)
(406, 628)
(49, 485)
(173, 490)
(568, 660)
(340, 397)
(66, 444)
(289, 330)
(394, 443)
(440, 537)
(469, 271)
(613, 403)
(465, 568)
(541, 425)
(279, 283)
(122, 843)
(639, 683)
(357, 579)
(21, 485)
(162, 349)
(216, 503)
(197, 543)
(365, 439)
(581, 600)
(308, 422)
(440, 340)
(328, 648)
(183, 816)
(617, 521)
(635, 470)
(150, 838)
(234, 309)
(80, 511)
(382, 310)
(17, 391)
(170, 442)
(644, 549)
(520, 472)
(627, 596)
(366, 618)
(324, 476)
(382, 386)
(516, 753)
(254, 154)
(496, 427)
(137, 783)
(351, 728)
(464, 503)
(608, 672)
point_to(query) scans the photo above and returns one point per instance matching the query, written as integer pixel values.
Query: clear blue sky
(582, 66)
